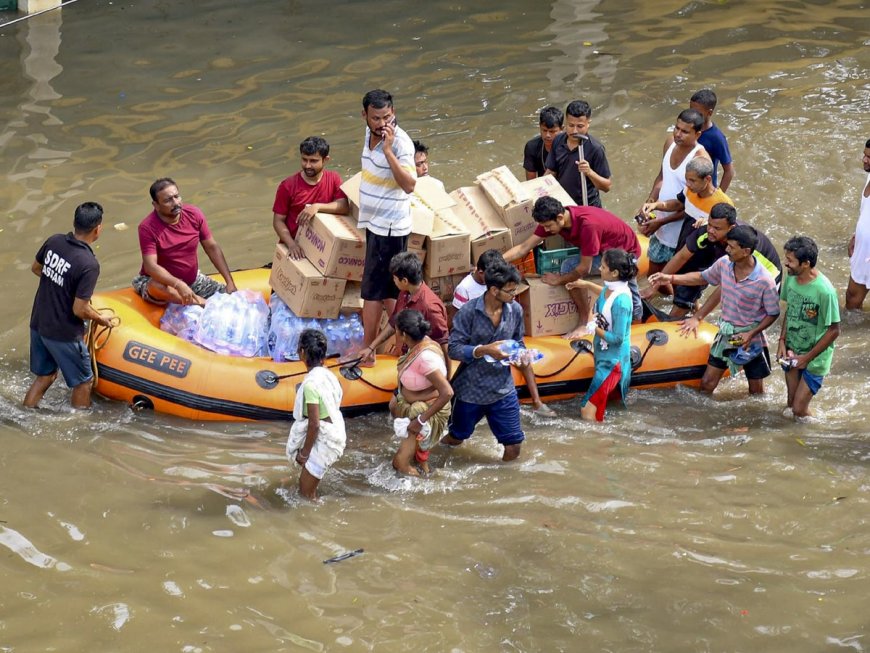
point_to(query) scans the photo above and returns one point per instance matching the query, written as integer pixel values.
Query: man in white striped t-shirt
(388, 178)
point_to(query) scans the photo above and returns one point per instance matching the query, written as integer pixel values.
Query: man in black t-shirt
(537, 150)
(704, 246)
(68, 272)
(564, 159)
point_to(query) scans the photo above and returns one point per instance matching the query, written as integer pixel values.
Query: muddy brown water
(685, 523)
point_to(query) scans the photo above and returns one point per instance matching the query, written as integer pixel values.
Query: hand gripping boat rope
(95, 339)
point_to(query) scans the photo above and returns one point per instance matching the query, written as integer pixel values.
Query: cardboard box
(427, 199)
(444, 286)
(419, 253)
(335, 246)
(307, 292)
(547, 310)
(477, 213)
(351, 189)
(447, 247)
(547, 186)
(351, 301)
(512, 201)
(503, 188)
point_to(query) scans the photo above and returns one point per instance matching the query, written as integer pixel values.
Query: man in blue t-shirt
(712, 138)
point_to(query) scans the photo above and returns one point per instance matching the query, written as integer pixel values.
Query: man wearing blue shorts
(812, 323)
(481, 388)
(68, 272)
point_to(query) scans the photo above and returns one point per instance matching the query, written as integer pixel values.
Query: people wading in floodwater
(317, 436)
(423, 394)
(612, 330)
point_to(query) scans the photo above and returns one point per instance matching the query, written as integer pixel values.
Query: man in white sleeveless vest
(664, 230)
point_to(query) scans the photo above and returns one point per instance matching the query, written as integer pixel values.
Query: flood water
(685, 523)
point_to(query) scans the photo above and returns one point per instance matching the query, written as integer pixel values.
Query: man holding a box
(388, 178)
(593, 231)
(311, 190)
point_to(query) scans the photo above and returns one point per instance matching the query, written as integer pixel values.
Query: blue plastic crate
(551, 260)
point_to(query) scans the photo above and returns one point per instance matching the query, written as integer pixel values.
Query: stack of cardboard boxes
(449, 232)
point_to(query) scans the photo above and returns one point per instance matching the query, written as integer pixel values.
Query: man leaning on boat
(168, 238)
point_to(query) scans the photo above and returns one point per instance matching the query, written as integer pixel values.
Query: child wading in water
(317, 436)
(612, 341)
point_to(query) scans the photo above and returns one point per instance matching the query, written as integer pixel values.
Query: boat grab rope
(96, 341)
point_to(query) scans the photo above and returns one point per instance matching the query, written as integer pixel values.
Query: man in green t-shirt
(812, 323)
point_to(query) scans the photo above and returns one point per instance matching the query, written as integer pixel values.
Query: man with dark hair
(750, 304)
(421, 163)
(389, 177)
(311, 190)
(703, 247)
(593, 231)
(169, 237)
(696, 199)
(68, 273)
(550, 121)
(407, 274)
(664, 230)
(573, 170)
(483, 388)
(474, 284)
(859, 246)
(811, 325)
(712, 138)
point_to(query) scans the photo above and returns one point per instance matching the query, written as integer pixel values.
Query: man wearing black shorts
(389, 176)
(68, 272)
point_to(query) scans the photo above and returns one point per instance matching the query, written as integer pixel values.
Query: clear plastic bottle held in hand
(516, 354)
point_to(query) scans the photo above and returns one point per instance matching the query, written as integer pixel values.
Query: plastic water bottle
(506, 347)
(357, 333)
(330, 331)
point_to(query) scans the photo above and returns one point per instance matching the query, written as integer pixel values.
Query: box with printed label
(305, 291)
(335, 246)
(547, 310)
(502, 188)
(448, 246)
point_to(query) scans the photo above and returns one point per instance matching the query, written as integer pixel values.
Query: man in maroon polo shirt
(593, 231)
(169, 238)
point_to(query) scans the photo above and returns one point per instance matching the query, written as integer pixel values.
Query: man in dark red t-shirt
(407, 274)
(169, 239)
(311, 190)
(593, 231)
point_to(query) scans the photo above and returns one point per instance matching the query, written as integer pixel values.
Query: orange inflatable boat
(138, 363)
